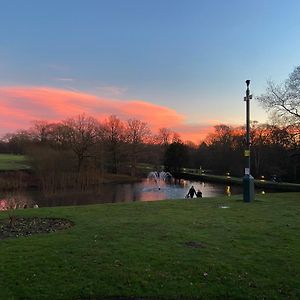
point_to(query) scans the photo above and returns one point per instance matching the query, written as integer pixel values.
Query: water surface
(146, 190)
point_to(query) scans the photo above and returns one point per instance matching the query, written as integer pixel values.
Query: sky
(176, 64)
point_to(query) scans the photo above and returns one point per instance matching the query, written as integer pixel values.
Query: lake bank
(143, 190)
(259, 183)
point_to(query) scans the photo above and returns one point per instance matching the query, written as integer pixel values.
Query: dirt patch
(193, 244)
(32, 225)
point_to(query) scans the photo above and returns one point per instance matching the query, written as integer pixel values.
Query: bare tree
(260, 139)
(164, 136)
(222, 145)
(41, 131)
(18, 142)
(176, 138)
(114, 136)
(136, 134)
(81, 133)
(283, 100)
(136, 131)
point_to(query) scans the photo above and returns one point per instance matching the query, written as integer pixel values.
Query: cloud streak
(111, 90)
(64, 79)
(19, 106)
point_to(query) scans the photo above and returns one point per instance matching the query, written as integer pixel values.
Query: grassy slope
(9, 162)
(139, 249)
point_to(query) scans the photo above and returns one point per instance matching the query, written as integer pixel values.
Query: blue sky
(190, 56)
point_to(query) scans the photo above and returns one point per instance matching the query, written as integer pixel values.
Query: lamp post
(248, 180)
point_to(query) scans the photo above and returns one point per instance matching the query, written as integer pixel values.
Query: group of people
(192, 192)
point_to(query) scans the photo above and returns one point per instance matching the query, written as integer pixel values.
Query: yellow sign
(247, 153)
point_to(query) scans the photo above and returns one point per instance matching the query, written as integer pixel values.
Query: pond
(146, 190)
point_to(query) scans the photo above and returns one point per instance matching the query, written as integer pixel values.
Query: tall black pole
(248, 126)
(248, 180)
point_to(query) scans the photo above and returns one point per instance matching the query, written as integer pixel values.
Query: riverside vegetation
(169, 249)
(81, 150)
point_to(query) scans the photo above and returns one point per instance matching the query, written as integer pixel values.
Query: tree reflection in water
(145, 190)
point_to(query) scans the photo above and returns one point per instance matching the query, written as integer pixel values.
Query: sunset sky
(177, 64)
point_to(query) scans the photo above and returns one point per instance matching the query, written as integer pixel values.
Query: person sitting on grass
(199, 194)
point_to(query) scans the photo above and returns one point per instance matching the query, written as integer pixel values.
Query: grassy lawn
(172, 249)
(9, 162)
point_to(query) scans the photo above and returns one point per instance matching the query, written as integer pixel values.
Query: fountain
(159, 177)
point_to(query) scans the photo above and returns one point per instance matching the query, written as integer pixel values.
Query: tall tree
(283, 100)
(114, 136)
(221, 143)
(164, 136)
(41, 131)
(136, 134)
(175, 157)
(82, 131)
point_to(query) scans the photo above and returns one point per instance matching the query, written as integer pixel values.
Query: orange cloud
(19, 106)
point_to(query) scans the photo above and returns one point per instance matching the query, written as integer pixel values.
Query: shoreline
(259, 183)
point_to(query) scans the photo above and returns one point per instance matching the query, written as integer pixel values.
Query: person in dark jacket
(199, 194)
(191, 192)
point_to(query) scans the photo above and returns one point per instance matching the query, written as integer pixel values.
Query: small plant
(12, 202)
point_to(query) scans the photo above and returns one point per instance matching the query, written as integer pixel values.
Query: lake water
(146, 190)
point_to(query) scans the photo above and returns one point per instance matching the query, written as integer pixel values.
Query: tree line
(82, 145)
(80, 150)
(274, 151)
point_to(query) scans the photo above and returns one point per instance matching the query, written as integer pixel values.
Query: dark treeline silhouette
(274, 151)
(81, 151)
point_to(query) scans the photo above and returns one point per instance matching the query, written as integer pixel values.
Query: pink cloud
(19, 106)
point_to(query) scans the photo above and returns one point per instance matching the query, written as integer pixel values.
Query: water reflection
(228, 190)
(146, 190)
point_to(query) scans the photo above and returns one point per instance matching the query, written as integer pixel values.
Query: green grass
(138, 249)
(10, 162)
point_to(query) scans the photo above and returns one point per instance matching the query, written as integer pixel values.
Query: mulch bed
(31, 225)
